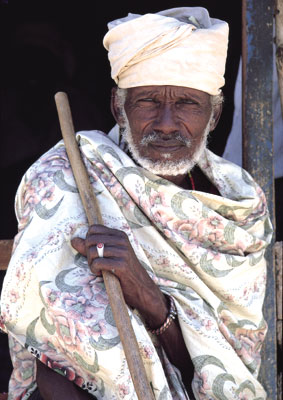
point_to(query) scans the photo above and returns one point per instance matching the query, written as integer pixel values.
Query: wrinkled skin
(163, 109)
(167, 110)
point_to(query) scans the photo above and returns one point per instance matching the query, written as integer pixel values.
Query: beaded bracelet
(171, 316)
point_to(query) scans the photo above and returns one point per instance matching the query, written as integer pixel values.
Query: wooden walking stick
(112, 284)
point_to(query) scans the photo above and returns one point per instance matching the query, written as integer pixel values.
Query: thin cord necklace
(192, 181)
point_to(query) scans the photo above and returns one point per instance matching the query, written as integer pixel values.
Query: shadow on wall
(38, 63)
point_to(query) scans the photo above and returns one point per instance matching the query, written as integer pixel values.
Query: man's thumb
(79, 245)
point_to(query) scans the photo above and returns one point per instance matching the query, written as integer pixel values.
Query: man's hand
(139, 290)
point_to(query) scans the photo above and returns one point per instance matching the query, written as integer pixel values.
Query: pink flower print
(162, 217)
(109, 164)
(48, 196)
(25, 373)
(225, 317)
(126, 202)
(168, 233)
(213, 255)
(251, 343)
(16, 347)
(216, 238)
(215, 222)
(241, 247)
(229, 298)
(242, 396)
(188, 229)
(227, 334)
(187, 224)
(123, 390)
(70, 229)
(32, 256)
(208, 324)
(190, 313)
(66, 330)
(147, 351)
(78, 308)
(187, 248)
(198, 230)
(20, 274)
(54, 161)
(201, 383)
(53, 238)
(14, 296)
(115, 188)
(101, 299)
(161, 281)
(214, 230)
(103, 174)
(51, 297)
(157, 198)
(4, 317)
(98, 329)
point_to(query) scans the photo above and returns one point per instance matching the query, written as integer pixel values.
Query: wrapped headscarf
(180, 47)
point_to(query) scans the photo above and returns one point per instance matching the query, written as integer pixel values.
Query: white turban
(180, 47)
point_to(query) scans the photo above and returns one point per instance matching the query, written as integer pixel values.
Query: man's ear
(115, 108)
(217, 111)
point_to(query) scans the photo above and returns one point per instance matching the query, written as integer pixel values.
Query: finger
(109, 251)
(79, 245)
(115, 266)
(107, 240)
(104, 230)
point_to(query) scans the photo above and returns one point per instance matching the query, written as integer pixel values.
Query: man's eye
(187, 101)
(147, 99)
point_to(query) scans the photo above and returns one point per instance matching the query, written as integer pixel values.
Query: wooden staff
(112, 283)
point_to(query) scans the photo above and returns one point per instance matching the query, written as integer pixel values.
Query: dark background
(50, 46)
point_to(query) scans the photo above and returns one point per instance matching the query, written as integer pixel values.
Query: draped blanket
(206, 251)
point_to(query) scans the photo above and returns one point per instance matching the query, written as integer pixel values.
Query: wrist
(169, 319)
(155, 309)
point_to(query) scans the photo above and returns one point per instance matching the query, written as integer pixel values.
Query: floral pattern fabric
(206, 251)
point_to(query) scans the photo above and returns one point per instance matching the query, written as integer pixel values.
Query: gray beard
(165, 166)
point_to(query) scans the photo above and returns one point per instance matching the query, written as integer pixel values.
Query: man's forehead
(180, 91)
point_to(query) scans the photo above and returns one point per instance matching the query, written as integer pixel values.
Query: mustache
(155, 136)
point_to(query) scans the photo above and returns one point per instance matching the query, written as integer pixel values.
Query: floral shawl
(206, 251)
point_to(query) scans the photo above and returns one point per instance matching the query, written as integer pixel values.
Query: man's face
(167, 127)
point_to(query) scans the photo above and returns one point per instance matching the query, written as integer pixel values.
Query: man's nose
(165, 121)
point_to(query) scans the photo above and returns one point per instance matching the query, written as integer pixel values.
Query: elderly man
(184, 231)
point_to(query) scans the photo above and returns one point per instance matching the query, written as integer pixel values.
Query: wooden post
(279, 46)
(5, 253)
(278, 247)
(257, 53)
